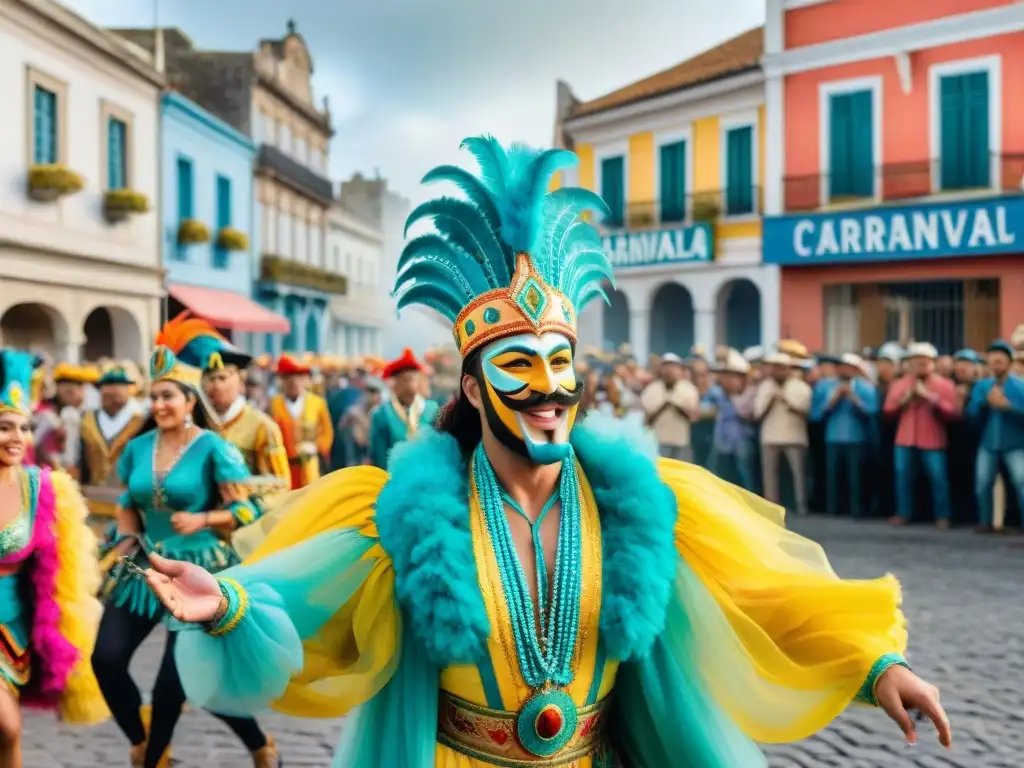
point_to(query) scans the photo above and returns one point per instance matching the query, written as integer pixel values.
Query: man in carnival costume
(255, 434)
(105, 433)
(304, 420)
(401, 416)
(409, 597)
(57, 433)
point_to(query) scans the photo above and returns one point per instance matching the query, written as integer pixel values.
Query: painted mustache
(559, 398)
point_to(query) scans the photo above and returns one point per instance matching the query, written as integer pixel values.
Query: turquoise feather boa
(423, 520)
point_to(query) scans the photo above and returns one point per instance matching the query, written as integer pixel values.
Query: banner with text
(928, 231)
(694, 243)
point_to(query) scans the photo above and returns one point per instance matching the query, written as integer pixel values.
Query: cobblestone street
(967, 633)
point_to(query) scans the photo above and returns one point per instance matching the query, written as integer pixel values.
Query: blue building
(209, 214)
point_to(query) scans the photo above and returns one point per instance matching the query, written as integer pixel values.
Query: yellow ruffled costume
(758, 639)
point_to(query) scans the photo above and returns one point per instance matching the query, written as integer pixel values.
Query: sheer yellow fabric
(784, 644)
(355, 653)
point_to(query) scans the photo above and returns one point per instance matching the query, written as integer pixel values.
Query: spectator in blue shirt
(997, 405)
(734, 432)
(847, 405)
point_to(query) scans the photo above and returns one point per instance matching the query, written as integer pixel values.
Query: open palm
(190, 593)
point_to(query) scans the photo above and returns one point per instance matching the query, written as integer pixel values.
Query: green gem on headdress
(531, 300)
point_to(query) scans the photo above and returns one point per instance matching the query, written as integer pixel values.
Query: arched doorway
(672, 320)
(616, 320)
(35, 327)
(112, 332)
(312, 333)
(739, 314)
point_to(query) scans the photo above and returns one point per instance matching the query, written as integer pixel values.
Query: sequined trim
(489, 735)
(879, 668)
(15, 661)
(238, 606)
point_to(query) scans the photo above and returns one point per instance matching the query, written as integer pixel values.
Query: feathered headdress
(16, 369)
(509, 257)
(198, 344)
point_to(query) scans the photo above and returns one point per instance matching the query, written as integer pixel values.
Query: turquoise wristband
(238, 605)
(866, 694)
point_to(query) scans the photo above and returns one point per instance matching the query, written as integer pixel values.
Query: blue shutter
(44, 150)
(963, 125)
(117, 154)
(673, 181)
(840, 164)
(185, 205)
(977, 152)
(220, 256)
(613, 189)
(739, 165)
(862, 133)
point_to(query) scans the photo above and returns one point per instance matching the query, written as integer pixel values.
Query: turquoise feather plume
(505, 209)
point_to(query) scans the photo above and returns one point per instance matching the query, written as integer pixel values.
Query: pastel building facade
(208, 185)
(895, 161)
(680, 157)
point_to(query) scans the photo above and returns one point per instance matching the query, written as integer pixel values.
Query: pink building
(895, 165)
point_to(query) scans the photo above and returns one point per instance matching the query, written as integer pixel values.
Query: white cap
(673, 358)
(753, 354)
(922, 349)
(890, 351)
(778, 358)
(732, 362)
(856, 361)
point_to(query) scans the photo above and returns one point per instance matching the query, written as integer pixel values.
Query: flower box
(119, 204)
(280, 270)
(49, 182)
(706, 208)
(231, 239)
(193, 232)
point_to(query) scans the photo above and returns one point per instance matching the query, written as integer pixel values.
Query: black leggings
(121, 633)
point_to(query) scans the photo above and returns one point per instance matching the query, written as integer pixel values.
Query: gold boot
(266, 757)
(137, 755)
(146, 712)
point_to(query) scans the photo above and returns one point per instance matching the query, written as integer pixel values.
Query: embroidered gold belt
(493, 736)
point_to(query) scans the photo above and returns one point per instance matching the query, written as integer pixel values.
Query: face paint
(531, 394)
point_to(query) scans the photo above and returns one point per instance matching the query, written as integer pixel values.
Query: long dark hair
(198, 413)
(458, 417)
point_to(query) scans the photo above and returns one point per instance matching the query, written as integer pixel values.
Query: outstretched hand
(190, 593)
(899, 690)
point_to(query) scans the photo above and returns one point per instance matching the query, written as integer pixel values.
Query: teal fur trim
(866, 694)
(422, 517)
(638, 516)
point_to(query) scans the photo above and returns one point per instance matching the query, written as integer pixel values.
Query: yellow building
(679, 158)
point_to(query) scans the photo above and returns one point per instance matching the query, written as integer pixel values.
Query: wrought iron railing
(905, 181)
(710, 206)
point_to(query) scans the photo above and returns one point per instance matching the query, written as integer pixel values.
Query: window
(270, 235)
(739, 164)
(186, 207)
(301, 246)
(613, 189)
(45, 129)
(284, 139)
(316, 159)
(335, 259)
(284, 235)
(851, 151)
(315, 257)
(673, 181)
(301, 150)
(117, 153)
(964, 131)
(221, 256)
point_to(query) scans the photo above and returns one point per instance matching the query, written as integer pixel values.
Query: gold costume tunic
(259, 439)
(100, 455)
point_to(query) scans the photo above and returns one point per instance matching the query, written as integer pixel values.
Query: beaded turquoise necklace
(545, 657)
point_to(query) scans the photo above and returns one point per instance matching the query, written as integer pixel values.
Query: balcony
(272, 162)
(711, 206)
(904, 182)
(276, 269)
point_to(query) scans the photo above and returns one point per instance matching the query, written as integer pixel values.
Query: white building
(372, 201)
(80, 277)
(357, 318)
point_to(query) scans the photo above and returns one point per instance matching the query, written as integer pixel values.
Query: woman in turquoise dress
(185, 492)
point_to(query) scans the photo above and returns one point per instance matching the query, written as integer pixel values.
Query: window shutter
(977, 151)
(840, 173)
(223, 202)
(612, 188)
(951, 128)
(739, 171)
(861, 143)
(184, 189)
(673, 181)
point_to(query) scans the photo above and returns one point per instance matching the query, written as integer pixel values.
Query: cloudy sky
(407, 79)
